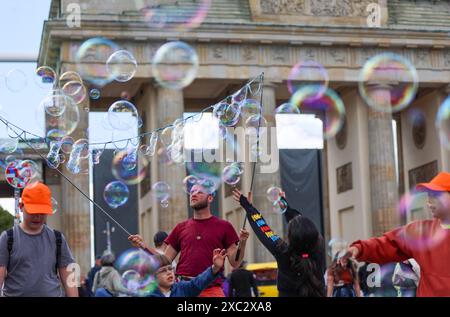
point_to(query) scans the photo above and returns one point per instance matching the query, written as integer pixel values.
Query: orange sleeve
(390, 247)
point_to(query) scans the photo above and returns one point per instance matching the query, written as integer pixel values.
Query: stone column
(74, 207)
(383, 183)
(171, 107)
(262, 180)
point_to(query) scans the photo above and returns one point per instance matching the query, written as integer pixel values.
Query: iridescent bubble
(94, 94)
(175, 65)
(16, 80)
(17, 175)
(255, 125)
(68, 77)
(279, 207)
(337, 245)
(227, 114)
(8, 145)
(130, 161)
(166, 135)
(45, 77)
(56, 103)
(82, 145)
(91, 60)
(308, 73)
(10, 158)
(96, 154)
(413, 206)
(388, 82)
(123, 115)
(231, 175)
(137, 269)
(55, 135)
(53, 159)
(287, 108)
(443, 123)
(188, 182)
(122, 65)
(161, 191)
(75, 90)
(54, 206)
(181, 16)
(32, 170)
(164, 203)
(254, 87)
(116, 194)
(330, 106)
(250, 107)
(66, 144)
(239, 95)
(121, 170)
(239, 166)
(273, 193)
(208, 173)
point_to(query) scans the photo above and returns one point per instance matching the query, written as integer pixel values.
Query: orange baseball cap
(37, 199)
(441, 183)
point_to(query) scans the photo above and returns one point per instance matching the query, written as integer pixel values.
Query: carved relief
(335, 8)
(249, 53)
(280, 54)
(364, 54)
(447, 58)
(422, 57)
(218, 52)
(338, 55)
(309, 54)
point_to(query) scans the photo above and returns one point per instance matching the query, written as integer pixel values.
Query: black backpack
(58, 236)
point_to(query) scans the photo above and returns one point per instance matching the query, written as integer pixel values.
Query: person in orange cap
(32, 254)
(426, 241)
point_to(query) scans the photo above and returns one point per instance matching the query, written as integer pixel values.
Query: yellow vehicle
(266, 278)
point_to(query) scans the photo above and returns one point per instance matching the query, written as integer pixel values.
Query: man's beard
(200, 205)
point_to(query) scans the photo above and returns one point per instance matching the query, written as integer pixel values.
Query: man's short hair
(159, 238)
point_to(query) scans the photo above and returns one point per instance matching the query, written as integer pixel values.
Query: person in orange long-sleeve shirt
(426, 241)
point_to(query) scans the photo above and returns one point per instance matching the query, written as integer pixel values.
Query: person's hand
(243, 235)
(218, 259)
(352, 252)
(237, 195)
(137, 241)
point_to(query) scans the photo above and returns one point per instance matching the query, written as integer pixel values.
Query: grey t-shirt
(31, 270)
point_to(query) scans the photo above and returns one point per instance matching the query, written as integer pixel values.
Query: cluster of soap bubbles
(101, 61)
(137, 269)
(275, 196)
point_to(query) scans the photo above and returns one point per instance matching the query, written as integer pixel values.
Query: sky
(23, 36)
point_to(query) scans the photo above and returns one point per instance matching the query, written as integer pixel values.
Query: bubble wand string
(238, 252)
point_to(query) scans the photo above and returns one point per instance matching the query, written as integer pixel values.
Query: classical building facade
(242, 38)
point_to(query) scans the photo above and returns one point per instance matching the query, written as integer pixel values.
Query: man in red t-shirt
(426, 241)
(196, 238)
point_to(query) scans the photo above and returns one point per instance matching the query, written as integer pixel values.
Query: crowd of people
(34, 257)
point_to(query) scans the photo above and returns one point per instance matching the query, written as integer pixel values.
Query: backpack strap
(10, 235)
(58, 237)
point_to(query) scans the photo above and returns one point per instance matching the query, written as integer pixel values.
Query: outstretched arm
(259, 225)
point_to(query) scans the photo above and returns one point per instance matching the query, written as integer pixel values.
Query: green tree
(6, 220)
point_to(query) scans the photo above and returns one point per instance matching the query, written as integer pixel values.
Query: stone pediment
(319, 12)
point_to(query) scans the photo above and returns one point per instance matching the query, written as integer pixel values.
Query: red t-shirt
(196, 239)
(425, 241)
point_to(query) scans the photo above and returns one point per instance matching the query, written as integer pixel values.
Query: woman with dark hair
(343, 279)
(300, 259)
